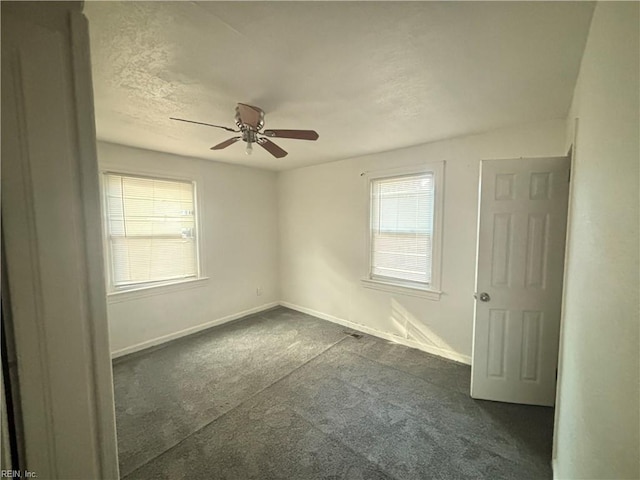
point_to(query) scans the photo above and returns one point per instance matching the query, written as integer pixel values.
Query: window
(404, 236)
(151, 231)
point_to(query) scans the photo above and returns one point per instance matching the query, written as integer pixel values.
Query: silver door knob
(484, 297)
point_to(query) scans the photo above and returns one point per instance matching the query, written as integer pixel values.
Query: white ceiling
(367, 76)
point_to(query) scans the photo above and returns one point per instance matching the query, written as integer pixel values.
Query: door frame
(61, 335)
(571, 153)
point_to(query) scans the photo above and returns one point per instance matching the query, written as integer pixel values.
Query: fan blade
(297, 134)
(207, 124)
(272, 148)
(249, 115)
(226, 143)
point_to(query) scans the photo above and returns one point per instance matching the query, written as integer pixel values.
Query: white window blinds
(402, 227)
(151, 227)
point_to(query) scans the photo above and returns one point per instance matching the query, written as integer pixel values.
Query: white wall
(238, 246)
(323, 211)
(597, 420)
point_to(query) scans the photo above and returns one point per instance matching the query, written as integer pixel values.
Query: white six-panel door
(520, 259)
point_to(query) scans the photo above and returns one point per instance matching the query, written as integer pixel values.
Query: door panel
(497, 348)
(521, 236)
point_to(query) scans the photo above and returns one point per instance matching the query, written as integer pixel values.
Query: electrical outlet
(259, 291)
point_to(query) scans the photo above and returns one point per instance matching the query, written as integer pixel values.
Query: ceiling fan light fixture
(249, 149)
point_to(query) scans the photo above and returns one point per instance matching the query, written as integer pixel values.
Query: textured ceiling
(368, 76)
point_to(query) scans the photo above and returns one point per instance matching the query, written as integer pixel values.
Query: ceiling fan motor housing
(244, 126)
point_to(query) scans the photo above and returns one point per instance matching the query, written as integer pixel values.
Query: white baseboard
(191, 330)
(340, 321)
(458, 357)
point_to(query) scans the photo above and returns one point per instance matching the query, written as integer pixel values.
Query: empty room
(320, 240)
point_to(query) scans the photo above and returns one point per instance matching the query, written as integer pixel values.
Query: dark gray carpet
(286, 395)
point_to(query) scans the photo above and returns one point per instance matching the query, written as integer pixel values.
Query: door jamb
(572, 155)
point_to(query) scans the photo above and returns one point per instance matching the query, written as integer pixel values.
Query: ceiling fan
(250, 121)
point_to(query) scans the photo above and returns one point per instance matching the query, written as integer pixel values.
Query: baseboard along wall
(324, 316)
(191, 330)
(380, 334)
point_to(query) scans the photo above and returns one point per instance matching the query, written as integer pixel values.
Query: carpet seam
(407, 412)
(419, 419)
(235, 407)
(411, 374)
(332, 436)
(404, 409)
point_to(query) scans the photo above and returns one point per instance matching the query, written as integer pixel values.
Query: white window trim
(432, 291)
(159, 289)
(115, 294)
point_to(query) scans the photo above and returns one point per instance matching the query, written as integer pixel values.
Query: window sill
(150, 290)
(401, 289)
